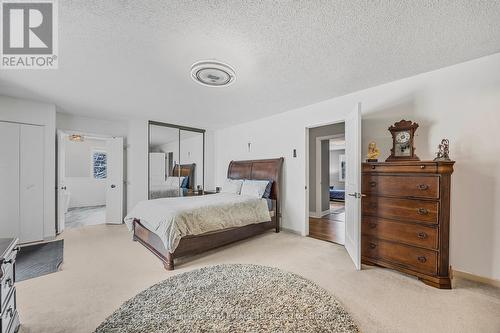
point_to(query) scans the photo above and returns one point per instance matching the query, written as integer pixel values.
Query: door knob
(113, 186)
(63, 187)
(357, 195)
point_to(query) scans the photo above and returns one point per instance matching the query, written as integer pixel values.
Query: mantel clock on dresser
(403, 148)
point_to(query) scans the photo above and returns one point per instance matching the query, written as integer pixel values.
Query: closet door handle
(423, 211)
(113, 186)
(63, 187)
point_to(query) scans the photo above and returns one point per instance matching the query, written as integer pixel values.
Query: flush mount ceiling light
(212, 73)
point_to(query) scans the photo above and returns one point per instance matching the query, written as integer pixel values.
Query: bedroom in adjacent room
(327, 172)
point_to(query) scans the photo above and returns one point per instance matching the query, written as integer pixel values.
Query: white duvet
(173, 218)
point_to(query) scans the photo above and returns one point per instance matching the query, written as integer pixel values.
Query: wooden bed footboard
(190, 245)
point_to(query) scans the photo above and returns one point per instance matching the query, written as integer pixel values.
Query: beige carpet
(103, 268)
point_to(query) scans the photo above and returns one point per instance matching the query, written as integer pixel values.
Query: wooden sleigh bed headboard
(269, 169)
(185, 170)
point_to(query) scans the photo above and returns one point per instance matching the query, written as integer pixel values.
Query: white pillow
(254, 188)
(174, 181)
(232, 186)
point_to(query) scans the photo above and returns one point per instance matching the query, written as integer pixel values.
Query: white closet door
(114, 190)
(9, 180)
(31, 150)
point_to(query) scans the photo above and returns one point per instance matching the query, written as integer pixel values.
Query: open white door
(114, 184)
(353, 185)
(62, 194)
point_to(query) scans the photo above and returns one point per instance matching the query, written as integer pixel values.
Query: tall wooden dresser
(406, 218)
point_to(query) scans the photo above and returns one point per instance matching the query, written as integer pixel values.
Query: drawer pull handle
(422, 235)
(10, 312)
(422, 167)
(422, 259)
(373, 184)
(423, 211)
(373, 245)
(7, 262)
(423, 187)
(373, 225)
(9, 282)
(373, 167)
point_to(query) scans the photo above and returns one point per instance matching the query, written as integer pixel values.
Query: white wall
(460, 102)
(73, 123)
(84, 189)
(28, 112)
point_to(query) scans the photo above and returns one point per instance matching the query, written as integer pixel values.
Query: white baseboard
(476, 278)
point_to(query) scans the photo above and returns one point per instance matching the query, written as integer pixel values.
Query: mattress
(173, 218)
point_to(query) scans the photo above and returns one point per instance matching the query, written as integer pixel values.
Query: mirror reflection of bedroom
(327, 171)
(176, 158)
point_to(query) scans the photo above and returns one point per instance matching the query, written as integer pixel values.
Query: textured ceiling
(132, 58)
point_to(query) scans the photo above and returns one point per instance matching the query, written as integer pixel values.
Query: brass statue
(443, 153)
(373, 152)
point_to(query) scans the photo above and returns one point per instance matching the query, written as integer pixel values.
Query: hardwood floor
(330, 227)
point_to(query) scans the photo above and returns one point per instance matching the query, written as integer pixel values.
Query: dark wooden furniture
(269, 169)
(403, 147)
(185, 170)
(195, 192)
(406, 218)
(9, 318)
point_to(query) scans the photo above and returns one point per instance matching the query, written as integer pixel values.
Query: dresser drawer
(401, 209)
(421, 260)
(9, 319)
(7, 283)
(401, 186)
(407, 233)
(401, 167)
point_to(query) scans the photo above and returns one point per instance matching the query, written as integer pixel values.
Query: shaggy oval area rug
(231, 298)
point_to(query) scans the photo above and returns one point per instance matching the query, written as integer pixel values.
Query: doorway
(326, 181)
(328, 217)
(90, 180)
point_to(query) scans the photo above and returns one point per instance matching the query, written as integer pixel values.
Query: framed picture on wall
(342, 168)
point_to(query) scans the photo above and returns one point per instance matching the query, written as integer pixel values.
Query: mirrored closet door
(176, 160)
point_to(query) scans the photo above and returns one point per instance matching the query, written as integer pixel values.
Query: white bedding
(173, 218)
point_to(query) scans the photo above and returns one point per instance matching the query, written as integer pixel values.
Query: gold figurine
(373, 152)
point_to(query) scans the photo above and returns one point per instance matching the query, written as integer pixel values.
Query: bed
(165, 190)
(337, 194)
(269, 169)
